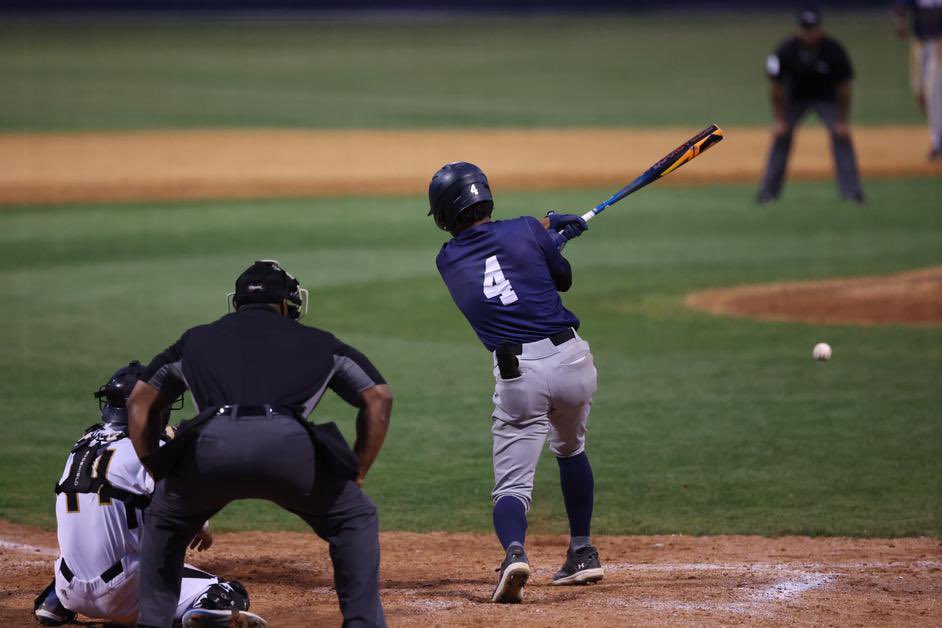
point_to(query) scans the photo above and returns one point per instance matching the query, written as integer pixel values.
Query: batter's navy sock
(575, 478)
(510, 521)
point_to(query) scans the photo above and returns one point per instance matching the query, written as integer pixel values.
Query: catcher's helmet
(266, 281)
(113, 395)
(454, 188)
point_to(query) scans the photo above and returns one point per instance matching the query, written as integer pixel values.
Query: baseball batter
(100, 503)
(505, 277)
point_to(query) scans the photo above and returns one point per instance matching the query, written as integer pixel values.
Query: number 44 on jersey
(495, 284)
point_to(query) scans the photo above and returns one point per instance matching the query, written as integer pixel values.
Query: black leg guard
(42, 596)
(49, 611)
(227, 595)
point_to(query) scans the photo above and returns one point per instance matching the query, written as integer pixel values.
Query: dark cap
(809, 17)
(265, 282)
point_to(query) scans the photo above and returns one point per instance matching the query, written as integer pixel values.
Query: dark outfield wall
(33, 6)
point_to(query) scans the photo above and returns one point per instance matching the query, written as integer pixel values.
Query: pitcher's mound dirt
(910, 298)
(443, 579)
(255, 163)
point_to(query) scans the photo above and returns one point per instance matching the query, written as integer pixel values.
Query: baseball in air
(822, 352)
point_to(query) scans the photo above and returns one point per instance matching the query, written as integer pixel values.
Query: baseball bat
(663, 167)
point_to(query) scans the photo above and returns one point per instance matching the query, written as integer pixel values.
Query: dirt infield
(445, 580)
(910, 298)
(194, 164)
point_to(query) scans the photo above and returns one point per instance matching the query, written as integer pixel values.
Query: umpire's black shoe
(514, 572)
(581, 567)
(50, 612)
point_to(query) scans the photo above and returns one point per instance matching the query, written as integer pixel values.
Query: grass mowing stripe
(523, 70)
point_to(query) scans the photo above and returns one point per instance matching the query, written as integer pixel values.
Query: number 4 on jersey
(495, 284)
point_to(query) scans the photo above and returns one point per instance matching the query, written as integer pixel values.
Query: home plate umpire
(254, 375)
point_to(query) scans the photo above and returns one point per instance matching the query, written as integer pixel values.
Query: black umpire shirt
(810, 73)
(256, 356)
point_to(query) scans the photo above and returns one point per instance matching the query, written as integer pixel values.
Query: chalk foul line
(25, 547)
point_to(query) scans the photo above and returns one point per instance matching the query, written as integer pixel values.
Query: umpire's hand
(202, 540)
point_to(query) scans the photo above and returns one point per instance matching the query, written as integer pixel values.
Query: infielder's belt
(557, 339)
(107, 575)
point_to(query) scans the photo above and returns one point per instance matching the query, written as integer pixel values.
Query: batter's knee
(565, 443)
(523, 496)
(564, 450)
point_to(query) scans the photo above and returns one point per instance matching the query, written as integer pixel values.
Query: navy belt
(239, 410)
(557, 339)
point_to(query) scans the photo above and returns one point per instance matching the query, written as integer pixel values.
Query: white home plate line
(24, 547)
(738, 608)
(788, 566)
(790, 589)
(790, 582)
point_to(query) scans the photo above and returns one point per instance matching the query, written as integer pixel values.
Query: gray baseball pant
(845, 160)
(268, 458)
(932, 88)
(550, 400)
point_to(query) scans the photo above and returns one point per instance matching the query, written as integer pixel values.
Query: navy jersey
(926, 16)
(505, 277)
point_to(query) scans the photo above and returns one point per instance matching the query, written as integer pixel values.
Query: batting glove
(571, 225)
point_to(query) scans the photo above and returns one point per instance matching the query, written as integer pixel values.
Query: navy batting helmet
(454, 188)
(113, 395)
(266, 281)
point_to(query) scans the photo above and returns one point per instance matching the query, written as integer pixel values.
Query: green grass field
(701, 424)
(568, 70)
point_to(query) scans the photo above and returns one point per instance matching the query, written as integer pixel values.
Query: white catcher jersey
(96, 532)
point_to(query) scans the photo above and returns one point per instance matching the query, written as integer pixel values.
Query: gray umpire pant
(845, 160)
(262, 457)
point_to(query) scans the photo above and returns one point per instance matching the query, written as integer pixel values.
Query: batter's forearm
(372, 425)
(561, 272)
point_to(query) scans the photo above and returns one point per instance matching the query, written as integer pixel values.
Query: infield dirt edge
(199, 164)
(908, 298)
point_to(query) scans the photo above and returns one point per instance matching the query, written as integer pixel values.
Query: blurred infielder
(505, 277)
(925, 61)
(100, 503)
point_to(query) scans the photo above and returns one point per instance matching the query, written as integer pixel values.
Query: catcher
(100, 501)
